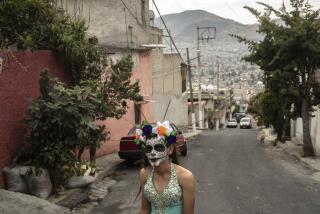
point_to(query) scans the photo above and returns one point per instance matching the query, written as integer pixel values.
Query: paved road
(235, 175)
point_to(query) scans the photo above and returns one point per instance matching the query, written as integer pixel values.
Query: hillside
(224, 52)
(183, 25)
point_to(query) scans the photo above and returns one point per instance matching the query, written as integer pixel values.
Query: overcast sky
(232, 9)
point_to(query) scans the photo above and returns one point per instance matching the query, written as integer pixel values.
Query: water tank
(152, 17)
(210, 88)
(203, 87)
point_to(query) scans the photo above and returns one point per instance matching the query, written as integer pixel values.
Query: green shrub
(60, 121)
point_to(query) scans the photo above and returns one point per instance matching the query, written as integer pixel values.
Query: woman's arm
(145, 205)
(187, 183)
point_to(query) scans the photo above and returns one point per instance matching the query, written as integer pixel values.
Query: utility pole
(218, 80)
(200, 71)
(193, 116)
(218, 77)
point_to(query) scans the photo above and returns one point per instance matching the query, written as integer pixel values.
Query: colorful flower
(147, 130)
(162, 131)
(172, 139)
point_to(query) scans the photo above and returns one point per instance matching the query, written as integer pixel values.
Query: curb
(106, 165)
(193, 135)
(298, 157)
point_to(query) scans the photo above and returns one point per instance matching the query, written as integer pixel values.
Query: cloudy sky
(232, 9)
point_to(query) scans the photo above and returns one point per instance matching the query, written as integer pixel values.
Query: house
(169, 91)
(125, 27)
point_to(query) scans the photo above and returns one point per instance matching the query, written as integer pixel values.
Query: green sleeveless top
(167, 202)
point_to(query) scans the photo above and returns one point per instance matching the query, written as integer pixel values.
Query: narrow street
(235, 175)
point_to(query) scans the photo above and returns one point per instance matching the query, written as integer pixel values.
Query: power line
(174, 44)
(179, 5)
(132, 14)
(230, 8)
(135, 17)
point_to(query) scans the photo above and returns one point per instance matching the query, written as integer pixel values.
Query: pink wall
(119, 128)
(18, 84)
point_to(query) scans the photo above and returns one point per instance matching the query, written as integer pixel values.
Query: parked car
(131, 152)
(239, 116)
(232, 123)
(245, 123)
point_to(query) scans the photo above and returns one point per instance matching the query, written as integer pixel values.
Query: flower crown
(162, 130)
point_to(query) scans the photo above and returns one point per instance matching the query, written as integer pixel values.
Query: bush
(60, 121)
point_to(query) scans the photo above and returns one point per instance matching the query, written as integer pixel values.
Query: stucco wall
(315, 131)
(119, 128)
(114, 23)
(297, 130)
(19, 84)
(167, 85)
(177, 108)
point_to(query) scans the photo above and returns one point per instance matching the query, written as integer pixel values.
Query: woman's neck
(163, 168)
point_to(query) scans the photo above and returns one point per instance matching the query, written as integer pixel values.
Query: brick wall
(19, 75)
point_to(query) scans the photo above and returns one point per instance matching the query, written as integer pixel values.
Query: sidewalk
(192, 135)
(13, 203)
(293, 148)
(106, 166)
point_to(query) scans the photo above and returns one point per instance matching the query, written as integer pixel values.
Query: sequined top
(168, 201)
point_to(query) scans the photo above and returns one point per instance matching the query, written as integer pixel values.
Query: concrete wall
(119, 128)
(116, 24)
(297, 130)
(167, 85)
(18, 86)
(315, 131)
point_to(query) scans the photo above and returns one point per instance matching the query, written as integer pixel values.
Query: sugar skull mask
(156, 150)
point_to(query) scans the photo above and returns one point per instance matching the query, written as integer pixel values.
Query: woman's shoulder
(144, 173)
(184, 175)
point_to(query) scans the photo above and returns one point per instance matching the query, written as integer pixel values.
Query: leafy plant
(39, 25)
(289, 55)
(61, 120)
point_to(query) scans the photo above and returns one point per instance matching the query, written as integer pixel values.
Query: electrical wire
(174, 44)
(132, 14)
(136, 18)
(231, 9)
(179, 5)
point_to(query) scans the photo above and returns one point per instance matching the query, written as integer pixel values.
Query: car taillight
(128, 144)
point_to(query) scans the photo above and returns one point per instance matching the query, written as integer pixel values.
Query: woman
(166, 186)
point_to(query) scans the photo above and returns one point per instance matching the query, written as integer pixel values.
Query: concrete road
(235, 175)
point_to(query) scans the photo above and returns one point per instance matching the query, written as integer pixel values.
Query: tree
(290, 47)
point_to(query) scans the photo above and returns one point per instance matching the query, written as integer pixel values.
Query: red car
(131, 152)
